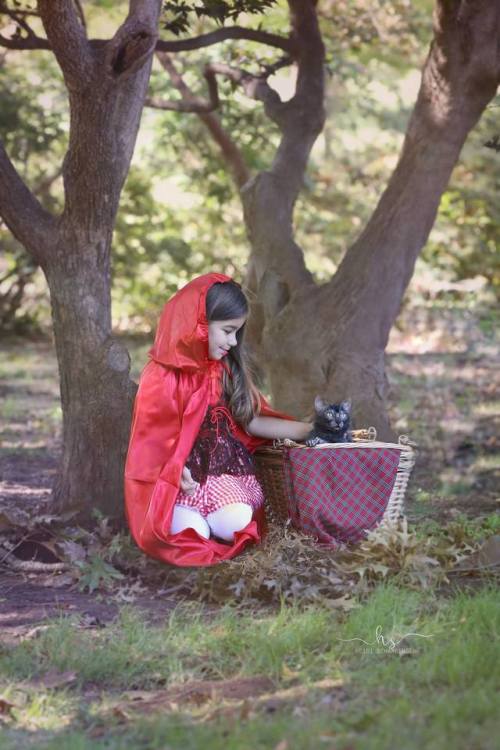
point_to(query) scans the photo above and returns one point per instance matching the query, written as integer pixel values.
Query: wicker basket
(270, 469)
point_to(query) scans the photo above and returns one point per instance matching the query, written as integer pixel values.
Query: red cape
(175, 388)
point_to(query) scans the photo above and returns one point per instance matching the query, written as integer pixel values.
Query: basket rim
(404, 443)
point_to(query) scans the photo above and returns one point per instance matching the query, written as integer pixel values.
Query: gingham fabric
(219, 491)
(337, 494)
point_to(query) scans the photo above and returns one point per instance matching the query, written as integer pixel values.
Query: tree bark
(330, 339)
(96, 390)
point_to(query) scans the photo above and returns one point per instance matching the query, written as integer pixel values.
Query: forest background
(180, 214)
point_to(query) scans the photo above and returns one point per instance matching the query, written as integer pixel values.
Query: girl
(191, 494)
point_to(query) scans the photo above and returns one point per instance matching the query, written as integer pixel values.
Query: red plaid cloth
(336, 494)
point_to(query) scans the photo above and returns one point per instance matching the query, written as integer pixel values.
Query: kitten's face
(336, 416)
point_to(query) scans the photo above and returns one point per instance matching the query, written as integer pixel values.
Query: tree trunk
(330, 339)
(96, 391)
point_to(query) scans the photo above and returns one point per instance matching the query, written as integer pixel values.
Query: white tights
(223, 522)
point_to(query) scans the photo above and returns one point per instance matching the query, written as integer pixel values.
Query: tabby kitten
(332, 423)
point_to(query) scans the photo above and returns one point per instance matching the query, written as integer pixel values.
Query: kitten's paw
(311, 442)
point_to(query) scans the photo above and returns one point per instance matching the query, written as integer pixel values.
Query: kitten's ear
(319, 404)
(346, 405)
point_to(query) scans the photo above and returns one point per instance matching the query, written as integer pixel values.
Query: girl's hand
(188, 484)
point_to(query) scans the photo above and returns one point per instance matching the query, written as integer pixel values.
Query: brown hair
(225, 301)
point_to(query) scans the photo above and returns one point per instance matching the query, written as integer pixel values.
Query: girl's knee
(225, 521)
(184, 518)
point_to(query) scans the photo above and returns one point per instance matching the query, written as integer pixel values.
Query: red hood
(181, 339)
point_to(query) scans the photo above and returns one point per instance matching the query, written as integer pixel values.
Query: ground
(443, 365)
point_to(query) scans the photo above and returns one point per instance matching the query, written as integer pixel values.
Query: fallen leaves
(288, 566)
(291, 566)
(486, 558)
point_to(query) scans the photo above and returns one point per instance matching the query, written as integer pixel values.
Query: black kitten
(332, 423)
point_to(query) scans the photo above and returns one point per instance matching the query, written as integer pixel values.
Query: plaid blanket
(338, 494)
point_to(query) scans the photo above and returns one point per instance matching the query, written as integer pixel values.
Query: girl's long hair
(225, 301)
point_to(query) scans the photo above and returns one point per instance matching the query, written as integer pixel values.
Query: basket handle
(365, 433)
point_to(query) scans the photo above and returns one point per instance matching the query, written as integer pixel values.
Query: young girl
(191, 494)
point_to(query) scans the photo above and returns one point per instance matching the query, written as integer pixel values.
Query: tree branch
(24, 43)
(105, 120)
(18, 17)
(68, 40)
(305, 112)
(174, 45)
(28, 221)
(254, 86)
(23, 13)
(16, 41)
(228, 147)
(221, 35)
(190, 102)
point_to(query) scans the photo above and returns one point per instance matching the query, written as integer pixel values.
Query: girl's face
(222, 336)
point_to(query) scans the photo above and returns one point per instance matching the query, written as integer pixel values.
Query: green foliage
(180, 14)
(95, 573)
(149, 255)
(33, 127)
(33, 116)
(466, 237)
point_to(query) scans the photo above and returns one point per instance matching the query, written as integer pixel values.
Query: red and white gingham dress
(222, 465)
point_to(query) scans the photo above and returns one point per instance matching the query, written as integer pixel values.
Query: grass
(471, 529)
(132, 653)
(431, 692)
(461, 487)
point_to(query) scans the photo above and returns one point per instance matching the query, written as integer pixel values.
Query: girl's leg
(225, 521)
(183, 518)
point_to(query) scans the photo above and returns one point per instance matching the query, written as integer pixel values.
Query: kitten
(332, 423)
